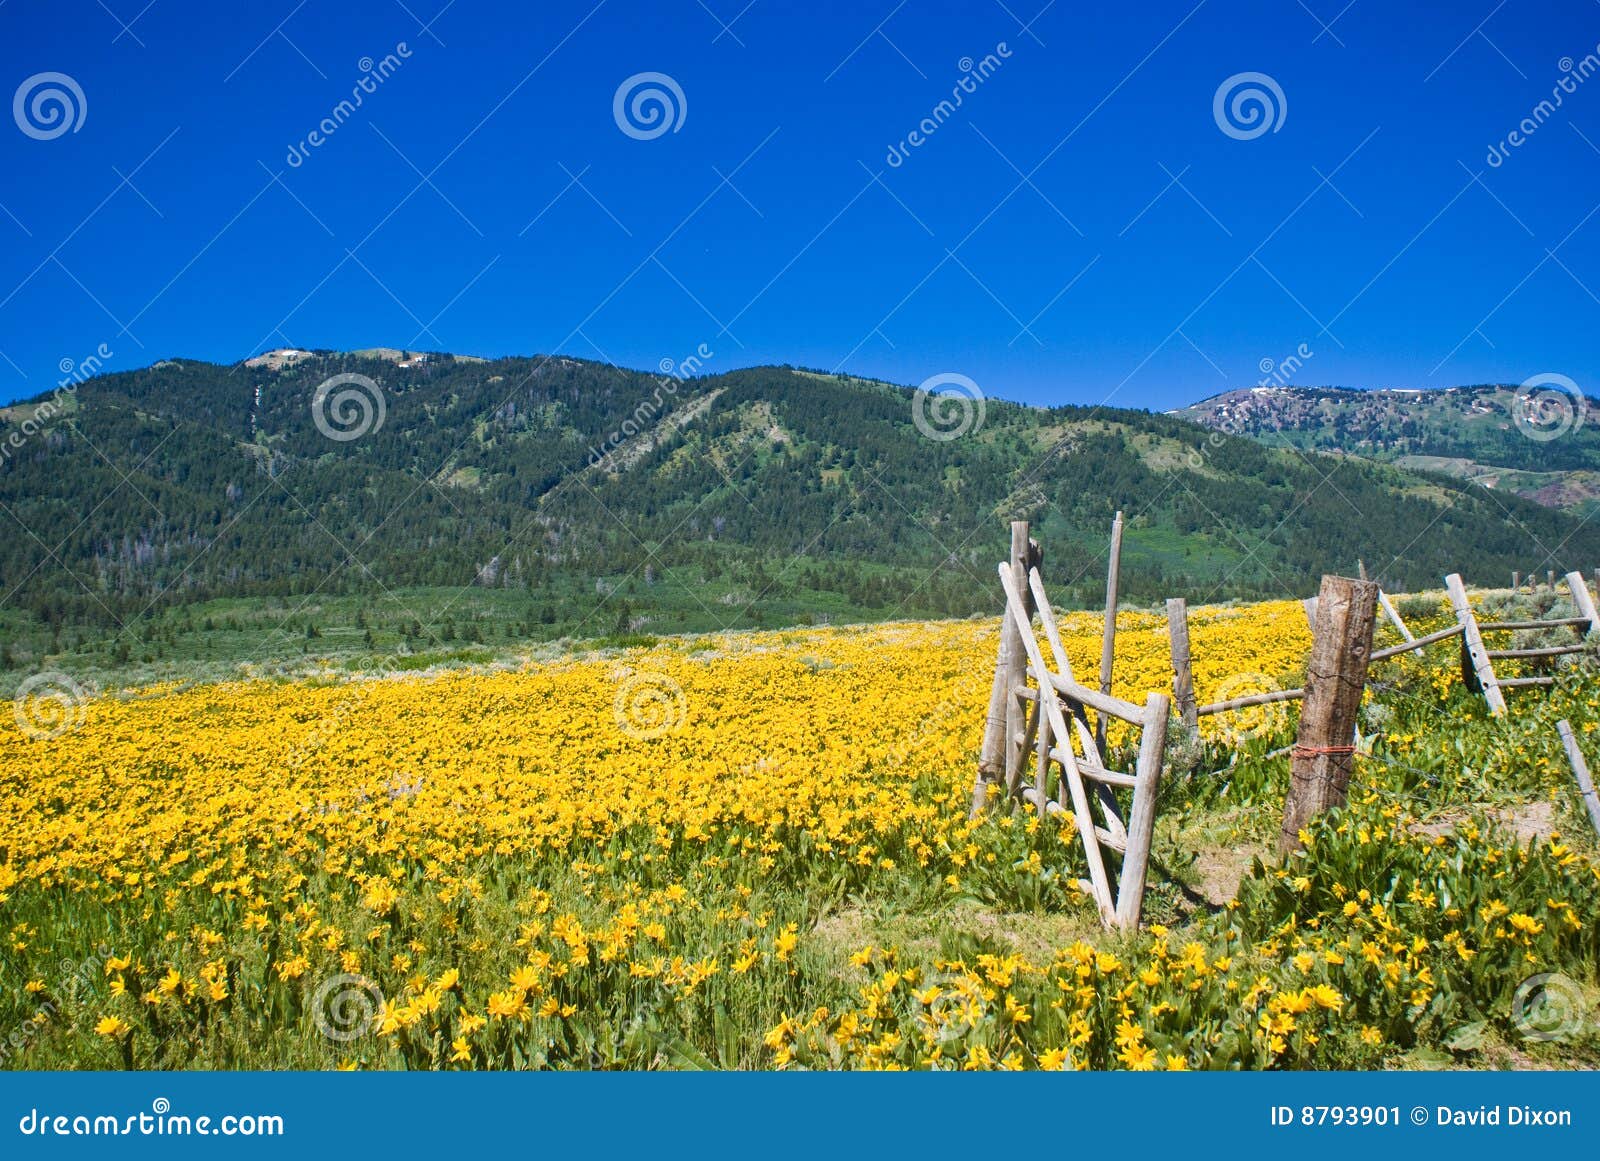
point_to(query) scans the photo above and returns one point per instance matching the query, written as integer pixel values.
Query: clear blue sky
(1148, 257)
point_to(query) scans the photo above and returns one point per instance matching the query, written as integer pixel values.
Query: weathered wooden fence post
(1394, 615)
(1336, 676)
(1001, 759)
(1580, 770)
(1017, 663)
(1108, 640)
(991, 758)
(1182, 668)
(1476, 666)
(1142, 818)
(1583, 601)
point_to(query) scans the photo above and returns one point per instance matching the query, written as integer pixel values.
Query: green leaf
(1468, 1037)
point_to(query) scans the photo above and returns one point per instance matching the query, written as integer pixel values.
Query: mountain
(1530, 442)
(159, 510)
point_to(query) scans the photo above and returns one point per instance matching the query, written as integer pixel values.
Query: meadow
(753, 851)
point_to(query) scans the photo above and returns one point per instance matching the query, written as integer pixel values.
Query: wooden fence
(1039, 712)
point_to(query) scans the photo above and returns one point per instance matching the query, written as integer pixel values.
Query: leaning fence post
(1182, 669)
(1583, 600)
(1473, 653)
(1394, 616)
(1017, 660)
(1336, 677)
(1108, 640)
(1580, 770)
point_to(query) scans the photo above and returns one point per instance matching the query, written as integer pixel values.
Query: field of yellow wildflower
(753, 851)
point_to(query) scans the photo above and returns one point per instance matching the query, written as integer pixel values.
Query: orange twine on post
(1299, 751)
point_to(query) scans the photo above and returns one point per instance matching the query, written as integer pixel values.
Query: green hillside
(191, 512)
(1551, 455)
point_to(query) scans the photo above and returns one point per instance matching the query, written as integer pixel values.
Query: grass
(916, 940)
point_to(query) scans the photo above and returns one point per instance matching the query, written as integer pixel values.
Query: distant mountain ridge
(1540, 443)
(756, 496)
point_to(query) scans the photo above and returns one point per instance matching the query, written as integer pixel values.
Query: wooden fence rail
(1039, 713)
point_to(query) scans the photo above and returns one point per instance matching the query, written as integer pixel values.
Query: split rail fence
(1039, 711)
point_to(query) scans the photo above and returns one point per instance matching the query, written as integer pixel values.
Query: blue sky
(1080, 229)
